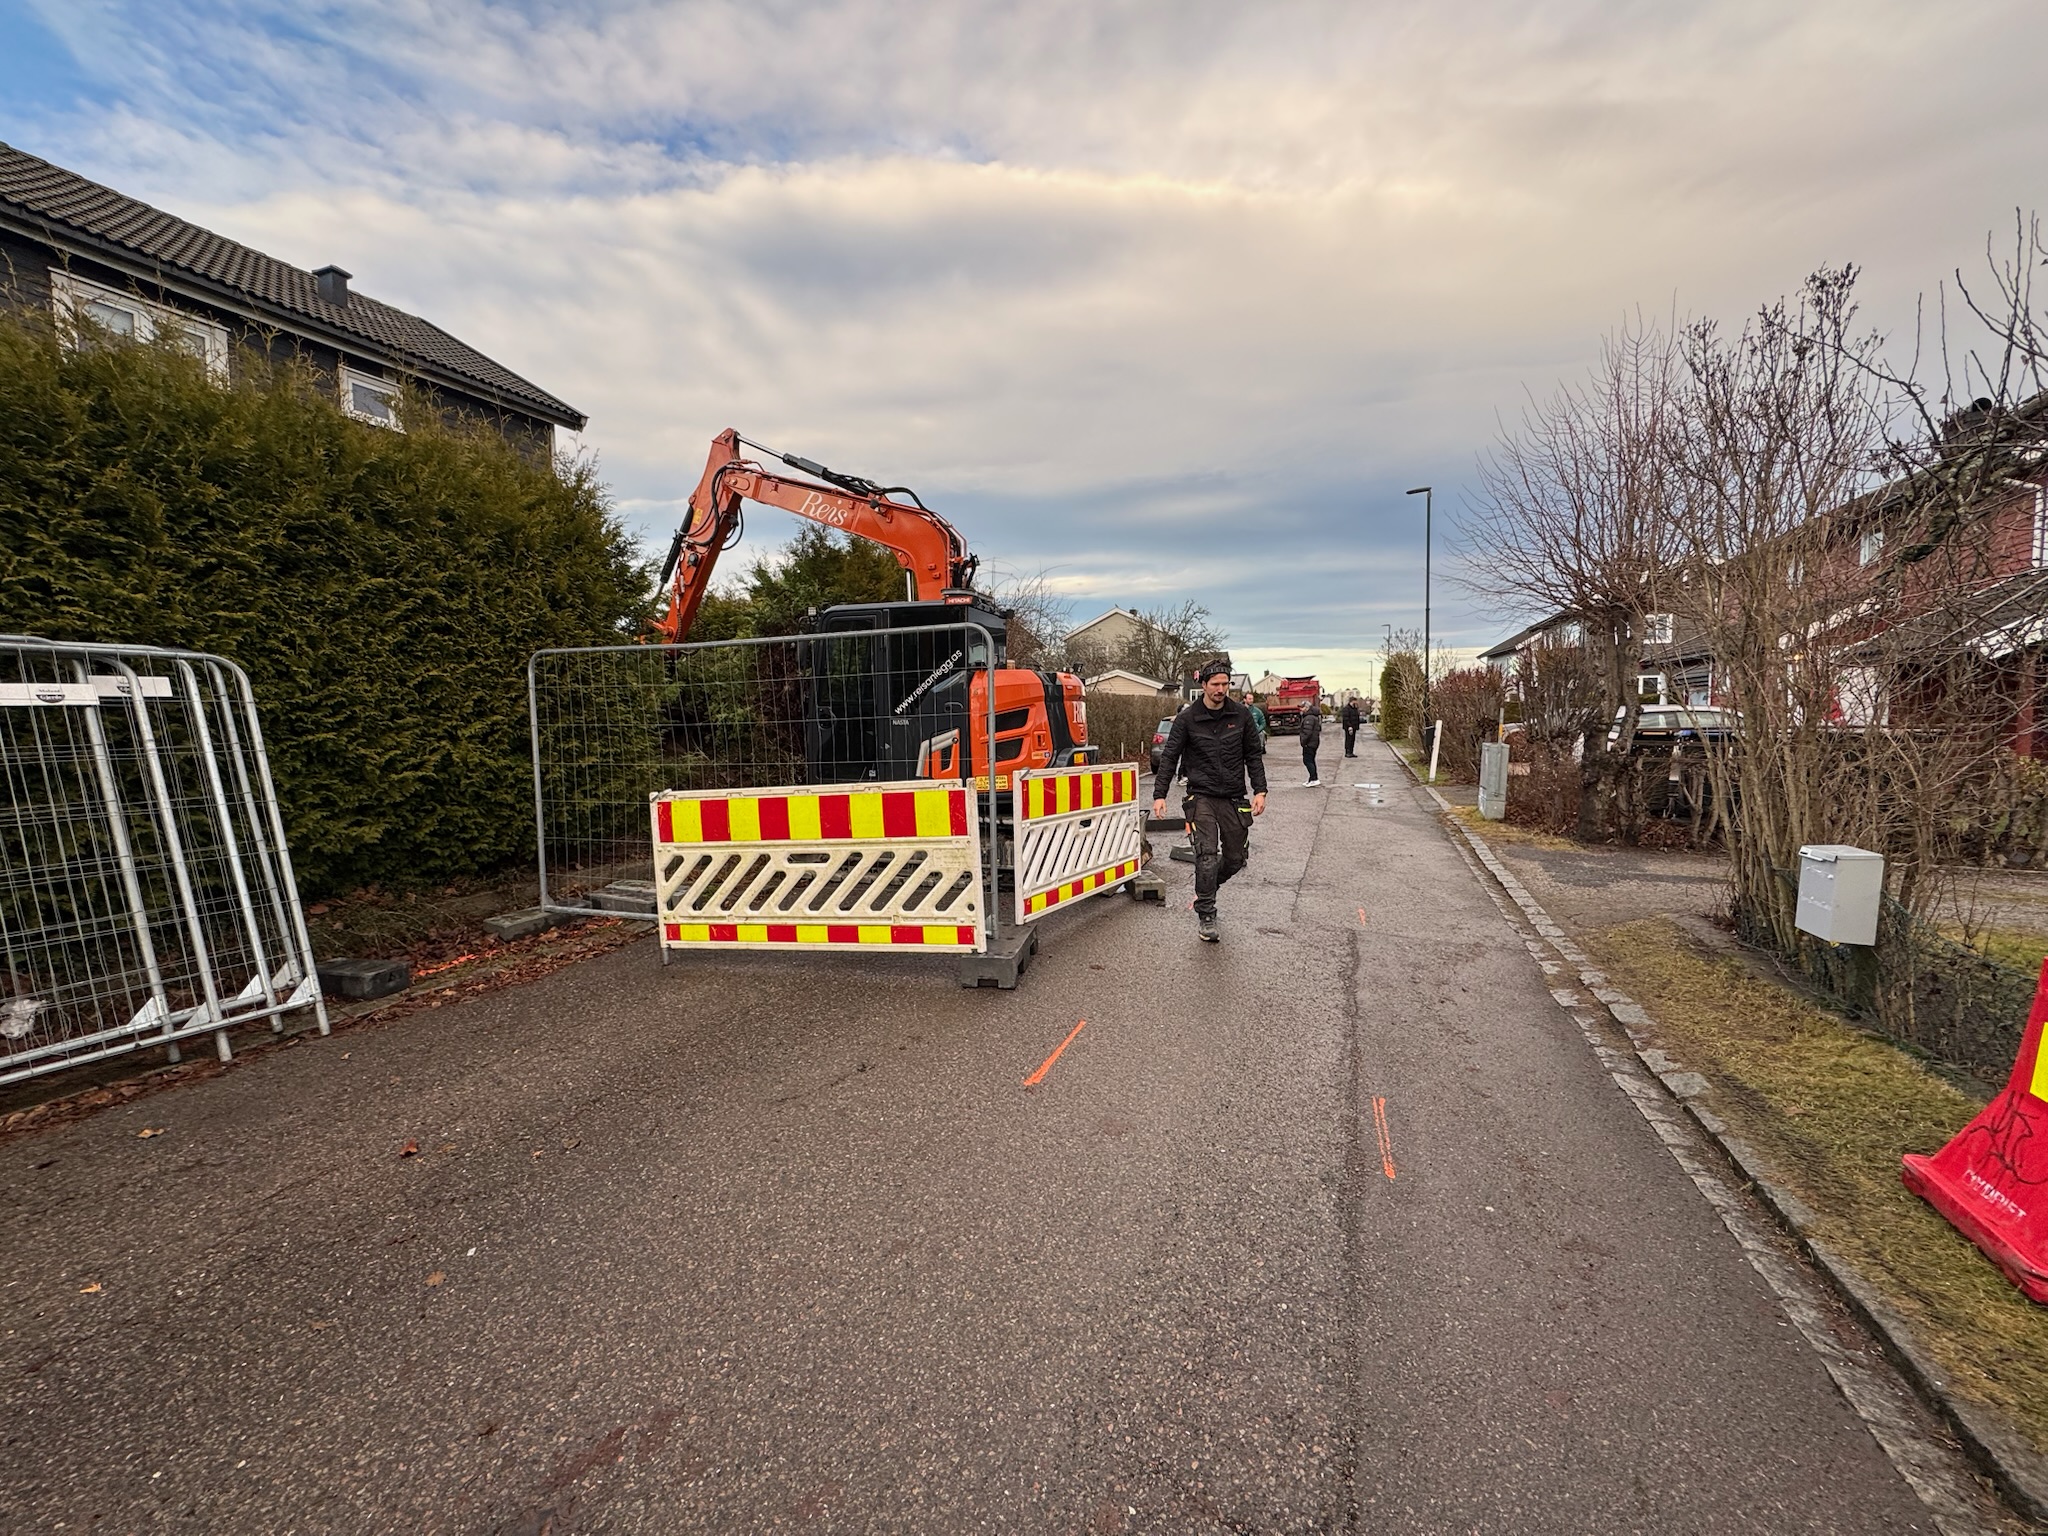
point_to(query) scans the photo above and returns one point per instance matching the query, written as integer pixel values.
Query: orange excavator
(893, 689)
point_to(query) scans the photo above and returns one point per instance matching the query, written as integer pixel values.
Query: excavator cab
(890, 698)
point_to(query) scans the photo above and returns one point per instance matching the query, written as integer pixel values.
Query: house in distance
(85, 250)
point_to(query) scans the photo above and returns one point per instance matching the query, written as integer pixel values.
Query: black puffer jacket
(1311, 726)
(1218, 749)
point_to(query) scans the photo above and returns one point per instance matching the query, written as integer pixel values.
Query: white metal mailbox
(1839, 891)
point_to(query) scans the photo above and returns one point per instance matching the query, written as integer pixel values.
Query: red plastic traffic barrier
(1992, 1180)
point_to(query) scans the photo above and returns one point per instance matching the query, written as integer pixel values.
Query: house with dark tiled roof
(86, 250)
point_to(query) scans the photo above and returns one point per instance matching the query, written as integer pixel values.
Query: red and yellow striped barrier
(806, 816)
(945, 935)
(882, 866)
(1089, 790)
(1077, 832)
(1033, 905)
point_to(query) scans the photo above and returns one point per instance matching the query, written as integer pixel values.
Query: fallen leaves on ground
(437, 1277)
(410, 1149)
(522, 961)
(93, 1288)
(148, 1131)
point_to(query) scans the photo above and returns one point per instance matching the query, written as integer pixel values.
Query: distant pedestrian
(1311, 738)
(1214, 742)
(1351, 728)
(1258, 718)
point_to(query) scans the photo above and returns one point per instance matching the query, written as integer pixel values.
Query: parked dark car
(1679, 722)
(1159, 741)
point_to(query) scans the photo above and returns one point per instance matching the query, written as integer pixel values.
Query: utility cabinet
(1493, 780)
(1839, 891)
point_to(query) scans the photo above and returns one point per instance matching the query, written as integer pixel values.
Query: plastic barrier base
(1002, 962)
(1991, 1181)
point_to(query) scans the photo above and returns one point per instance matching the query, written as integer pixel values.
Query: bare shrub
(1468, 703)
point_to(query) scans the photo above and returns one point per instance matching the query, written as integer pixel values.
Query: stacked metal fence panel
(613, 726)
(146, 890)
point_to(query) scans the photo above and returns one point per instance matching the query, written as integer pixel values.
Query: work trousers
(1222, 844)
(1308, 755)
(1350, 740)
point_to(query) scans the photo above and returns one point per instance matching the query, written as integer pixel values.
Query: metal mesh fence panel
(614, 725)
(146, 891)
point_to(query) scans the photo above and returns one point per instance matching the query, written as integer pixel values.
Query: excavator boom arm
(925, 544)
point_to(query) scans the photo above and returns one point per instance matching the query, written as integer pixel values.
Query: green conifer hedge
(383, 589)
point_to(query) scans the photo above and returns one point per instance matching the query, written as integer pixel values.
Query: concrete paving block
(364, 978)
(520, 925)
(629, 896)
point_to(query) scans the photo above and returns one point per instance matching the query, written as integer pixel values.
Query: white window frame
(1871, 546)
(2040, 527)
(1860, 697)
(71, 295)
(1657, 628)
(346, 381)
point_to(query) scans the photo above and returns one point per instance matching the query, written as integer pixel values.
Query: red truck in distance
(1283, 709)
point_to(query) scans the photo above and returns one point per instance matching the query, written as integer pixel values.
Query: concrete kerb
(2019, 1472)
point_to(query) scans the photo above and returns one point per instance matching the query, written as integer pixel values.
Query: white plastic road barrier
(1078, 830)
(878, 864)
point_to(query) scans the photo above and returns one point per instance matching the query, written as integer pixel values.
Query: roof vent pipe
(332, 284)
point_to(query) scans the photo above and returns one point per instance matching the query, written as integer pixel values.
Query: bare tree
(1038, 619)
(1165, 645)
(1576, 519)
(1841, 564)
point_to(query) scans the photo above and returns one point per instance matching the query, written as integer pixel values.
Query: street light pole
(1428, 546)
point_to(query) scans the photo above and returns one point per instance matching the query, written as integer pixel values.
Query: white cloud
(1172, 299)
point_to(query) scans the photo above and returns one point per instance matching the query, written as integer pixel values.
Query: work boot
(1205, 925)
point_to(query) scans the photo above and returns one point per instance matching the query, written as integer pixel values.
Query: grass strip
(1832, 1108)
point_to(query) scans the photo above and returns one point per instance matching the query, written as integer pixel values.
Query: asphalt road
(770, 1243)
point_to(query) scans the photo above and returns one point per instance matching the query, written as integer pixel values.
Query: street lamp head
(1420, 490)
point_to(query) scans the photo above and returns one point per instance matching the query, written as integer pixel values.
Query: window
(369, 398)
(1656, 629)
(2040, 528)
(1871, 547)
(118, 318)
(1859, 697)
(1795, 571)
(137, 319)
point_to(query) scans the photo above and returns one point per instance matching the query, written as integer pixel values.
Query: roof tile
(57, 196)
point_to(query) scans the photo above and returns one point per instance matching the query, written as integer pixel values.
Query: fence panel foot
(1146, 887)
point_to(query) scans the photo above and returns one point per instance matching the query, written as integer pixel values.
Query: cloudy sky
(1165, 298)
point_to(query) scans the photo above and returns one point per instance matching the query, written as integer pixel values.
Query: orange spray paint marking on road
(1046, 1066)
(1361, 917)
(1379, 1124)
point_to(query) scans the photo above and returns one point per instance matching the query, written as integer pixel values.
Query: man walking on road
(1350, 727)
(1216, 744)
(1311, 739)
